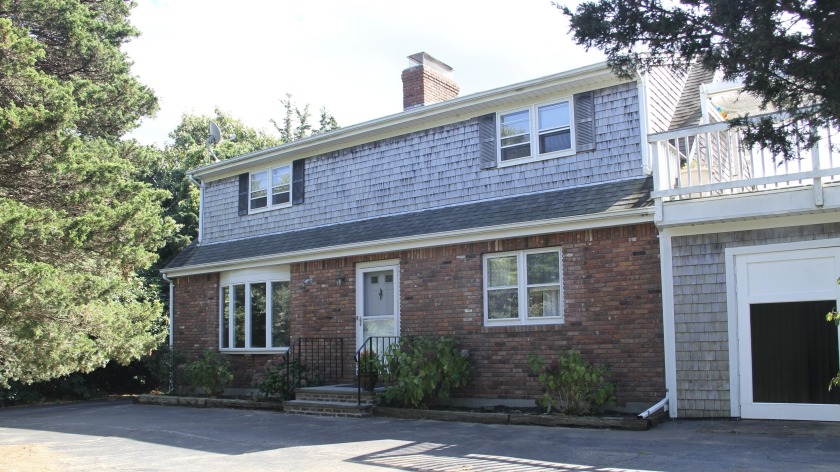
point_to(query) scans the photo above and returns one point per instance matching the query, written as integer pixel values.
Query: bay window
(254, 316)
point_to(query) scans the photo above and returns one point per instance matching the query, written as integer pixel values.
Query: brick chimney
(427, 81)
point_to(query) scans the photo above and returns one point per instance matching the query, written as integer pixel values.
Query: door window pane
(380, 327)
(258, 315)
(280, 302)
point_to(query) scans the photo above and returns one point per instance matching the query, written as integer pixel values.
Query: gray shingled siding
(700, 312)
(663, 89)
(428, 169)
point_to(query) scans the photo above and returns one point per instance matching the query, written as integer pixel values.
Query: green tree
(166, 169)
(786, 53)
(296, 125)
(75, 224)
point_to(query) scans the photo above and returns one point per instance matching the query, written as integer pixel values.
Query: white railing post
(815, 165)
(657, 178)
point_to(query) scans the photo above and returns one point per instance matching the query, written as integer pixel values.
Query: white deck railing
(711, 160)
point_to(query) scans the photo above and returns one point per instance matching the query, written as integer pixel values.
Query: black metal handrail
(378, 345)
(322, 357)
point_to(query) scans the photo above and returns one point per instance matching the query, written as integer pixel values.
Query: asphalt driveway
(121, 435)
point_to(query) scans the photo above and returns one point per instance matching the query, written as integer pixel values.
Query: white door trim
(740, 346)
(361, 269)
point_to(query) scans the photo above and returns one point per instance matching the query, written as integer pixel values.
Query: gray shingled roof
(688, 111)
(597, 199)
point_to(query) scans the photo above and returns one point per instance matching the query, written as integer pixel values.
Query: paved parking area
(121, 435)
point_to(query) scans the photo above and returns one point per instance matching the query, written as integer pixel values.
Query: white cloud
(345, 56)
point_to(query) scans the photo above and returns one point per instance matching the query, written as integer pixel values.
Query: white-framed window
(270, 188)
(536, 132)
(523, 287)
(254, 312)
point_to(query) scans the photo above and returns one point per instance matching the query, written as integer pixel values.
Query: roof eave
(590, 221)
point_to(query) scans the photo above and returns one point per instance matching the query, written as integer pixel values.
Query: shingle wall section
(428, 169)
(663, 88)
(700, 311)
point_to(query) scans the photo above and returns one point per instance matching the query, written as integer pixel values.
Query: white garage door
(787, 352)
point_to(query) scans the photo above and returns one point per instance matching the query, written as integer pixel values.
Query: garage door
(787, 352)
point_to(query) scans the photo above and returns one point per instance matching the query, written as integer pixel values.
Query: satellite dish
(215, 134)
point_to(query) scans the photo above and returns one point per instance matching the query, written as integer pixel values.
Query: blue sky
(245, 56)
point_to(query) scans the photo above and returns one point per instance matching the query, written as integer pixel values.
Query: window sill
(531, 322)
(274, 350)
(545, 157)
(273, 207)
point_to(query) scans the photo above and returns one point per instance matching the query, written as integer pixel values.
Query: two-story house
(517, 220)
(567, 212)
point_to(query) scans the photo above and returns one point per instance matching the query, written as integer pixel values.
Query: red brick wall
(613, 310)
(612, 295)
(196, 328)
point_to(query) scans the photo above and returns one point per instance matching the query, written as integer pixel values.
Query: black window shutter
(298, 179)
(584, 122)
(243, 193)
(487, 140)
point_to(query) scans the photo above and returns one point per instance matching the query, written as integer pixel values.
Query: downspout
(171, 309)
(662, 405)
(200, 185)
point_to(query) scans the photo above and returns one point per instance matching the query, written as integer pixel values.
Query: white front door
(377, 301)
(787, 351)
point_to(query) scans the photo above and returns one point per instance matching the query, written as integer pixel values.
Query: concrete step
(327, 408)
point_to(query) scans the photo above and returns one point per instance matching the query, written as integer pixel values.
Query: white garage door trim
(788, 289)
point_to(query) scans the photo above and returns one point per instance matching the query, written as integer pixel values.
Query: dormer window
(281, 187)
(552, 122)
(275, 187)
(541, 131)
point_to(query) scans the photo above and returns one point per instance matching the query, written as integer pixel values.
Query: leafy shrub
(211, 373)
(279, 381)
(424, 370)
(369, 368)
(571, 384)
(166, 369)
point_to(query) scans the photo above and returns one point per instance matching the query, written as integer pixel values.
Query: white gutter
(200, 185)
(647, 164)
(171, 310)
(669, 331)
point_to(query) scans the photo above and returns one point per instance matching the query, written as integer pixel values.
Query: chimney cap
(424, 59)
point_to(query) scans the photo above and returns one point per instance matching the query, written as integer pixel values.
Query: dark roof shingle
(566, 203)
